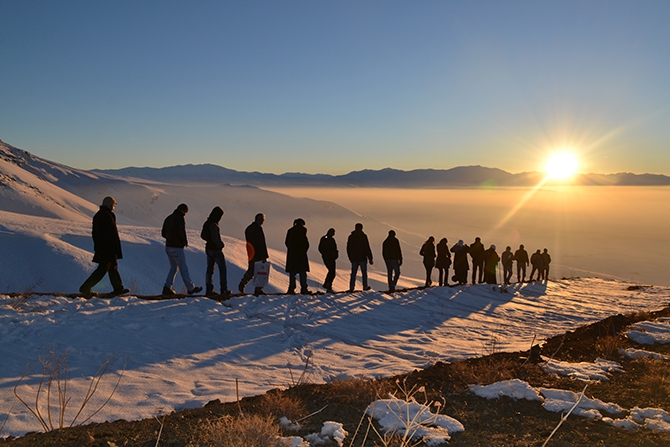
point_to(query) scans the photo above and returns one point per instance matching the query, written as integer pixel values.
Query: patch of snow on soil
(582, 370)
(515, 389)
(561, 401)
(633, 353)
(413, 420)
(650, 332)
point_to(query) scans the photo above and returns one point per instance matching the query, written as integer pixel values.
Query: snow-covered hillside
(53, 254)
(183, 353)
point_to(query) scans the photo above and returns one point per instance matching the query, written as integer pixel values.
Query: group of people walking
(107, 248)
(484, 262)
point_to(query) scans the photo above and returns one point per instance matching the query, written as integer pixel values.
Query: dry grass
(486, 371)
(359, 391)
(656, 379)
(609, 346)
(277, 404)
(240, 431)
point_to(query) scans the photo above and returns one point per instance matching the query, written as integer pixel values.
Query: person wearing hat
(107, 249)
(297, 263)
(174, 232)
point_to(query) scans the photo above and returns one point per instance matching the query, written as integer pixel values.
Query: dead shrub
(52, 402)
(609, 346)
(278, 403)
(358, 390)
(246, 430)
(485, 371)
(656, 379)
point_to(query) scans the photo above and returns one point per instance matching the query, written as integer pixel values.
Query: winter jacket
(211, 233)
(328, 248)
(391, 249)
(477, 252)
(491, 260)
(536, 260)
(256, 248)
(521, 257)
(106, 242)
(428, 253)
(461, 257)
(296, 249)
(443, 259)
(358, 247)
(174, 230)
(507, 259)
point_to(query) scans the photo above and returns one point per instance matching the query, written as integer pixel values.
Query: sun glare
(561, 165)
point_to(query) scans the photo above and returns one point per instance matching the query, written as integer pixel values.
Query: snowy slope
(31, 191)
(183, 353)
(53, 255)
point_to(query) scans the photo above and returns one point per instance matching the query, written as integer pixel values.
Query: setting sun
(561, 165)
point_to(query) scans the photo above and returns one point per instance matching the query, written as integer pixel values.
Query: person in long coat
(443, 262)
(428, 253)
(461, 266)
(107, 249)
(329, 254)
(297, 263)
(491, 260)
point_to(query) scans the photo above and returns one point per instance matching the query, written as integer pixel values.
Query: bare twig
(312, 414)
(54, 380)
(565, 417)
(237, 394)
(530, 351)
(162, 423)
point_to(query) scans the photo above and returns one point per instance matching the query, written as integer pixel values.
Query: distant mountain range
(462, 176)
(458, 177)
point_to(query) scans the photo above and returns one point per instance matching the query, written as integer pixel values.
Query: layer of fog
(611, 232)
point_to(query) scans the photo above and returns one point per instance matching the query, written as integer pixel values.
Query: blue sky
(331, 87)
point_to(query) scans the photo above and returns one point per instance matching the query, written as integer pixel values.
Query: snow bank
(561, 401)
(633, 353)
(654, 419)
(586, 371)
(413, 420)
(515, 389)
(650, 332)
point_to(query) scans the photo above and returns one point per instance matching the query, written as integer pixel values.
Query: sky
(332, 87)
